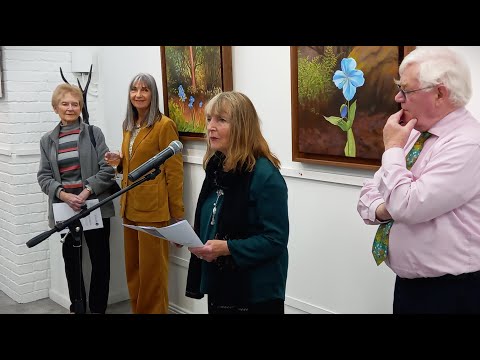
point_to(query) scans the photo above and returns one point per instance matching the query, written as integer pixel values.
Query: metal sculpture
(85, 115)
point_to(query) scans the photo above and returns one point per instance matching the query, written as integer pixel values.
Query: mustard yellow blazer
(159, 199)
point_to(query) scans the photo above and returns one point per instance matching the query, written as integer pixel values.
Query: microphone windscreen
(177, 146)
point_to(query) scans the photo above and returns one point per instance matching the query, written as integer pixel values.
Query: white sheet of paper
(62, 212)
(179, 233)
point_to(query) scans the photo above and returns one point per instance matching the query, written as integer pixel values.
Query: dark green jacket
(264, 255)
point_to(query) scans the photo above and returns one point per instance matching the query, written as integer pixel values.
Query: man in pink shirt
(430, 202)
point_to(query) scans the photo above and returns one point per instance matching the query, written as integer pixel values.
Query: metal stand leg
(76, 230)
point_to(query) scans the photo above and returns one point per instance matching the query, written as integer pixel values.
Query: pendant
(214, 210)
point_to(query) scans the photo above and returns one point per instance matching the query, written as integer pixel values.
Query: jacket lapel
(54, 152)
(140, 137)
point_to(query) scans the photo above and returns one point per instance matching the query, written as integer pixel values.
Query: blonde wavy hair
(63, 89)
(247, 143)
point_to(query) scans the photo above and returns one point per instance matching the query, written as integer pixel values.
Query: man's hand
(394, 134)
(381, 213)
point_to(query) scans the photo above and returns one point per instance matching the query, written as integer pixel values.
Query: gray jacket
(95, 171)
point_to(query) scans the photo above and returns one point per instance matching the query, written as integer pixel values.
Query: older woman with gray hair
(72, 171)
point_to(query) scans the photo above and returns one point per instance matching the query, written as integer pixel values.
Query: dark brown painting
(341, 99)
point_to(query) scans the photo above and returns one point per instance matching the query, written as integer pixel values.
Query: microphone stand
(76, 229)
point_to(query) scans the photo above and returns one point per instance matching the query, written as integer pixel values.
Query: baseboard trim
(306, 307)
(113, 297)
(118, 296)
(174, 309)
(59, 298)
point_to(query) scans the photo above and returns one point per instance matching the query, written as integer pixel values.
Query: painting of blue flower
(348, 79)
(341, 99)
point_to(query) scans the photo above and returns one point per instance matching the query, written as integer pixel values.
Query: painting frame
(324, 158)
(226, 85)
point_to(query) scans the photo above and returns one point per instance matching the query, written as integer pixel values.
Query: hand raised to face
(396, 132)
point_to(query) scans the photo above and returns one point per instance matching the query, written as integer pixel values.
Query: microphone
(172, 149)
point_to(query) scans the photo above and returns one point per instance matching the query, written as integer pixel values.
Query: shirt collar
(449, 122)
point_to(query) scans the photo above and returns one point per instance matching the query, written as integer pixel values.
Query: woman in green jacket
(241, 215)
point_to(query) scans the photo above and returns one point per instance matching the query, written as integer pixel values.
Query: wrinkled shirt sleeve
(370, 199)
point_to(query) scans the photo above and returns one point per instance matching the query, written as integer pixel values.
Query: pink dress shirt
(436, 205)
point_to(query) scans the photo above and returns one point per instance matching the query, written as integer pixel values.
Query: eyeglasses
(405, 92)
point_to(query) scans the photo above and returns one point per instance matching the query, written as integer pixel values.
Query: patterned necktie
(380, 243)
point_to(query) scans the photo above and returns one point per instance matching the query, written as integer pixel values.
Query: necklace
(214, 211)
(139, 123)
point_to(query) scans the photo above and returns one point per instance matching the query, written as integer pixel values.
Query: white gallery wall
(331, 269)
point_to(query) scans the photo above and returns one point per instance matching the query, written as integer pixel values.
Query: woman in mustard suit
(158, 202)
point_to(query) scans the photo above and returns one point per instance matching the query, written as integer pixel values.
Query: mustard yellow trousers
(146, 267)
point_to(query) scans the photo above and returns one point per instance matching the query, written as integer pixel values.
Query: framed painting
(341, 125)
(192, 75)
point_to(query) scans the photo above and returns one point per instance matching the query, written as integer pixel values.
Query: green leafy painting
(192, 76)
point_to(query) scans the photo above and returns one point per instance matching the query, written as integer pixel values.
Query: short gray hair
(440, 65)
